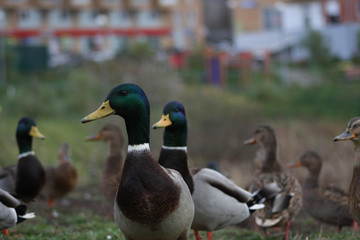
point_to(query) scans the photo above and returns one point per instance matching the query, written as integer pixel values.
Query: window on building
(52, 1)
(24, 15)
(65, 15)
(332, 11)
(168, 2)
(248, 4)
(140, 2)
(272, 19)
(80, 2)
(109, 1)
(16, 1)
(191, 18)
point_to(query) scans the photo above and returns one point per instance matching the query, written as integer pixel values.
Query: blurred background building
(99, 29)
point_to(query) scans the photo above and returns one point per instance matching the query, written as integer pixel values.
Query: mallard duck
(30, 174)
(327, 204)
(152, 202)
(12, 211)
(62, 179)
(352, 133)
(219, 202)
(269, 170)
(111, 174)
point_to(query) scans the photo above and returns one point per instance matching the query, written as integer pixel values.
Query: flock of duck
(164, 199)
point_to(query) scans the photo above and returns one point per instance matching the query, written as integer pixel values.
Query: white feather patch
(175, 148)
(139, 147)
(267, 222)
(25, 154)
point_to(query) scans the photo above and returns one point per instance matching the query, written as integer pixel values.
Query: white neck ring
(175, 148)
(25, 154)
(139, 147)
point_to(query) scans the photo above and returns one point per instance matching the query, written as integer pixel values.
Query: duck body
(30, 178)
(354, 194)
(60, 179)
(8, 178)
(269, 170)
(352, 133)
(111, 173)
(328, 203)
(216, 204)
(168, 202)
(265, 217)
(12, 211)
(151, 202)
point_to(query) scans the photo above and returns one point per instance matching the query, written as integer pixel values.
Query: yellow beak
(34, 132)
(164, 122)
(103, 111)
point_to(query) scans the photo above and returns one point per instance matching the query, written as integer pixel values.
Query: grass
(219, 121)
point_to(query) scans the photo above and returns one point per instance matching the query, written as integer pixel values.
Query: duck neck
(115, 147)
(357, 153)
(270, 162)
(311, 181)
(175, 137)
(138, 130)
(24, 142)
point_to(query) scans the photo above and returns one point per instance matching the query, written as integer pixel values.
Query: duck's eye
(122, 93)
(177, 110)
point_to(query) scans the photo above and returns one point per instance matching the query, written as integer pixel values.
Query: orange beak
(96, 137)
(250, 141)
(294, 165)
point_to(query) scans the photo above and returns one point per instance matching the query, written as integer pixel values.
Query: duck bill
(344, 136)
(163, 123)
(103, 111)
(96, 137)
(250, 141)
(34, 132)
(294, 165)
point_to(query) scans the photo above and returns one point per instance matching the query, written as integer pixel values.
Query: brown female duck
(269, 170)
(327, 204)
(62, 179)
(352, 133)
(111, 174)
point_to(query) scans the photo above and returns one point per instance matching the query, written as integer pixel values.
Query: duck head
(264, 136)
(309, 159)
(174, 121)
(352, 131)
(129, 102)
(25, 132)
(108, 133)
(64, 152)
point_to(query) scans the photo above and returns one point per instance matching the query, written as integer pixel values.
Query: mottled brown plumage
(328, 203)
(62, 179)
(352, 133)
(111, 174)
(269, 170)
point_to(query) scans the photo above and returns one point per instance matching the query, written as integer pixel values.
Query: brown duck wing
(334, 194)
(289, 185)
